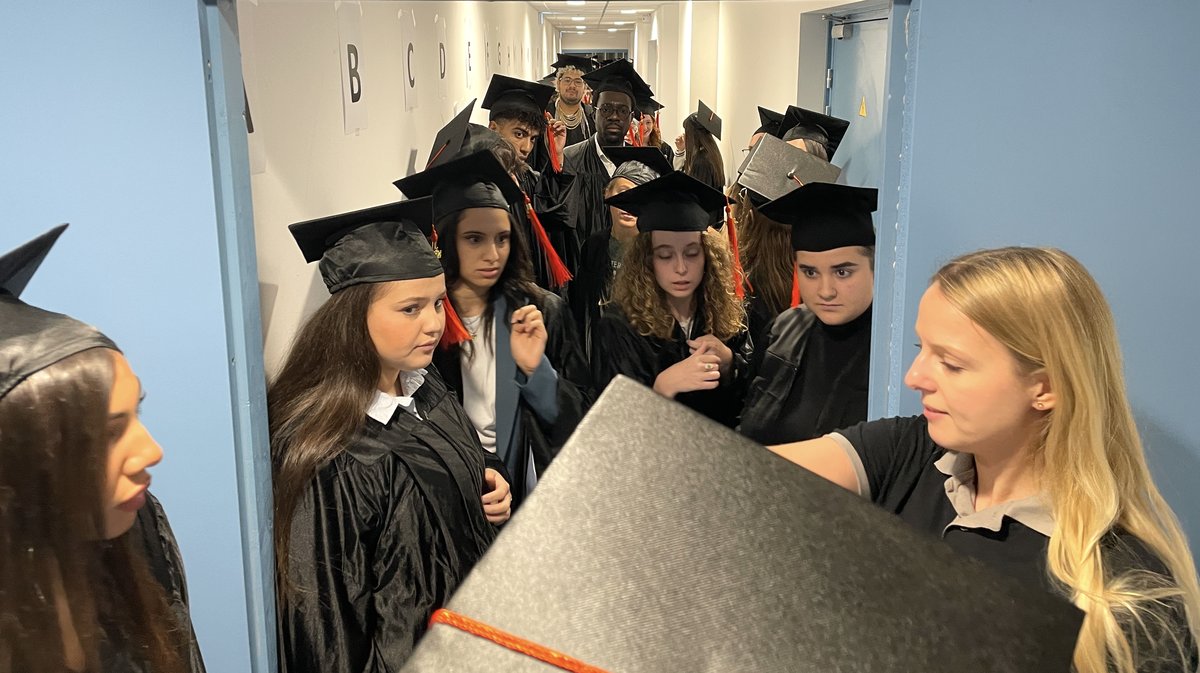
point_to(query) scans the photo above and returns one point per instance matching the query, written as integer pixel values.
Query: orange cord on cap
(739, 275)
(551, 145)
(559, 275)
(795, 286)
(455, 332)
(511, 642)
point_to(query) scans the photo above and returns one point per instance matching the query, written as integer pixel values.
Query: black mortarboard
(618, 76)
(774, 570)
(832, 128)
(584, 64)
(707, 119)
(449, 140)
(674, 202)
(775, 168)
(651, 157)
(768, 121)
(647, 105)
(548, 80)
(31, 338)
(508, 94)
(473, 181)
(373, 245)
(825, 216)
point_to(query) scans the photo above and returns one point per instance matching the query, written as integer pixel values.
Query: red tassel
(559, 275)
(631, 139)
(795, 286)
(550, 143)
(739, 275)
(642, 135)
(455, 332)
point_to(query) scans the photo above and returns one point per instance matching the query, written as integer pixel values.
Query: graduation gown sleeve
(590, 287)
(621, 350)
(586, 198)
(573, 388)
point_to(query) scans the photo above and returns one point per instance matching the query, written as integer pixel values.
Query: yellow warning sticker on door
(862, 107)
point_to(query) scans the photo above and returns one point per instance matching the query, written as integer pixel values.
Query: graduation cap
(774, 168)
(826, 216)
(509, 94)
(31, 338)
(475, 180)
(832, 128)
(708, 119)
(774, 570)
(548, 80)
(647, 105)
(769, 121)
(373, 245)
(673, 202)
(649, 157)
(618, 76)
(584, 64)
(449, 141)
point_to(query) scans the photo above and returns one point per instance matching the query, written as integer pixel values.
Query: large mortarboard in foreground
(833, 128)
(31, 338)
(706, 553)
(774, 168)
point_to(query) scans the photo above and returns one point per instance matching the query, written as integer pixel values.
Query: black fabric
(708, 119)
(768, 121)
(833, 128)
(474, 180)
(19, 264)
(617, 348)
(618, 76)
(573, 392)
(659, 541)
(592, 286)
(826, 216)
(384, 534)
(376, 253)
(548, 194)
(673, 202)
(586, 198)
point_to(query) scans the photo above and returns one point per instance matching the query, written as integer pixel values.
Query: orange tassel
(512, 642)
(559, 275)
(455, 332)
(551, 145)
(739, 276)
(795, 286)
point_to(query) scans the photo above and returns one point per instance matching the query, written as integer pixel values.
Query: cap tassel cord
(739, 276)
(795, 286)
(551, 143)
(455, 332)
(511, 642)
(559, 275)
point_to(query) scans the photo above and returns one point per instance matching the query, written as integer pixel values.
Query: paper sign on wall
(408, 42)
(354, 99)
(467, 79)
(862, 107)
(443, 56)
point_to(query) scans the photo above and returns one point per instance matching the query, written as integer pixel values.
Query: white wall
(311, 167)
(599, 41)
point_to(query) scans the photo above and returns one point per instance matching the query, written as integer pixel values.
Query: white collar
(608, 163)
(383, 406)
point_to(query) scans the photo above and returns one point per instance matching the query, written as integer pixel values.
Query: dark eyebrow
(846, 265)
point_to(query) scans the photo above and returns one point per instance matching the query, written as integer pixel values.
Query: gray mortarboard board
(31, 338)
(650, 157)
(507, 94)
(825, 216)
(707, 553)
(472, 181)
(708, 119)
(372, 245)
(833, 128)
(618, 76)
(584, 64)
(673, 202)
(768, 121)
(774, 168)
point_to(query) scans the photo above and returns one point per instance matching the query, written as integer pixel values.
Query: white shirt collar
(383, 406)
(608, 164)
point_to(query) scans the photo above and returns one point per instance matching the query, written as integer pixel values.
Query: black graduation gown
(621, 350)
(382, 537)
(812, 380)
(588, 211)
(532, 435)
(548, 193)
(539, 156)
(592, 285)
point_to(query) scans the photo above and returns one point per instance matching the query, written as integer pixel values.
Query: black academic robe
(592, 285)
(384, 534)
(588, 211)
(522, 433)
(619, 349)
(548, 193)
(812, 380)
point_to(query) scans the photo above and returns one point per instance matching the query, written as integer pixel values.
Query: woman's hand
(699, 371)
(679, 143)
(497, 503)
(528, 338)
(716, 347)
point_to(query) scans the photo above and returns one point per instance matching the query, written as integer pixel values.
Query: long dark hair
(766, 248)
(516, 279)
(53, 430)
(703, 160)
(317, 402)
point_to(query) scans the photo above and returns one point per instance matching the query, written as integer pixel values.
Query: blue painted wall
(1072, 124)
(104, 125)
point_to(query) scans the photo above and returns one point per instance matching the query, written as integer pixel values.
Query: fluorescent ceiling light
(578, 18)
(580, 32)
(576, 3)
(620, 23)
(612, 30)
(580, 27)
(633, 11)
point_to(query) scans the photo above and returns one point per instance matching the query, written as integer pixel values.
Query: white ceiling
(597, 16)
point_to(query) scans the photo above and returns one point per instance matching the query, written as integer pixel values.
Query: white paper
(443, 57)
(352, 64)
(408, 41)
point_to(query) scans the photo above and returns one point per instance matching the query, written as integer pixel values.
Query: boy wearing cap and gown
(617, 87)
(525, 389)
(568, 105)
(378, 519)
(602, 253)
(515, 112)
(674, 322)
(814, 375)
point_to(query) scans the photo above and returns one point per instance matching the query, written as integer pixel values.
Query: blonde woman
(1027, 456)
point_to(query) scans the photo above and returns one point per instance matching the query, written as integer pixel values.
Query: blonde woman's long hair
(637, 292)
(1045, 307)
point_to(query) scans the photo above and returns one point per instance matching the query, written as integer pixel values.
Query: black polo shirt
(901, 469)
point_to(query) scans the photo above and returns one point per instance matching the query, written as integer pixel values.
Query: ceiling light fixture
(612, 30)
(580, 27)
(580, 32)
(579, 18)
(576, 3)
(620, 23)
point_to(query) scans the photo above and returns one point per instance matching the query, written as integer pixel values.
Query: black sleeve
(574, 391)
(154, 536)
(618, 349)
(893, 451)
